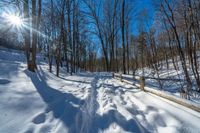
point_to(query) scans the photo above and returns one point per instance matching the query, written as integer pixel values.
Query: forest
(151, 41)
(96, 35)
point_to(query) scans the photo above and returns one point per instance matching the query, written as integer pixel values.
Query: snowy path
(88, 102)
(153, 113)
(124, 108)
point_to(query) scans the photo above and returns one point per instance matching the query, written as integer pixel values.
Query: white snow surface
(83, 103)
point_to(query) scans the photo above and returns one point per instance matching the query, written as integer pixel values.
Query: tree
(170, 16)
(123, 35)
(27, 33)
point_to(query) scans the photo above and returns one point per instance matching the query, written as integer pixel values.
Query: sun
(15, 20)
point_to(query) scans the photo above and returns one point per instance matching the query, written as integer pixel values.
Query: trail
(86, 102)
(151, 113)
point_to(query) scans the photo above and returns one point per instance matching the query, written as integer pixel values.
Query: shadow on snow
(79, 115)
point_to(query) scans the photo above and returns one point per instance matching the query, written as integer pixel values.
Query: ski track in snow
(84, 103)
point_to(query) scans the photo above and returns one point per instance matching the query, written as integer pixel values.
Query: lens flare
(15, 20)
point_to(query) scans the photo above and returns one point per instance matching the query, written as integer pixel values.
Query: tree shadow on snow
(114, 117)
(61, 104)
(79, 115)
(85, 82)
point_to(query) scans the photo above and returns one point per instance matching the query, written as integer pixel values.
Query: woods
(97, 36)
(99, 66)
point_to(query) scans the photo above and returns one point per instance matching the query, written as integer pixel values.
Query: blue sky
(143, 5)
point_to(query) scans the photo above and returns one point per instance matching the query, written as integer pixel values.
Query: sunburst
(15, 20)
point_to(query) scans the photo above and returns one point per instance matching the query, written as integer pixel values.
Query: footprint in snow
(45, 129)
(39, 119)
(29, 130)
(4, 81)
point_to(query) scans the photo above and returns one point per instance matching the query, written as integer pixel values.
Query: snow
(83, 103)
(171, 85)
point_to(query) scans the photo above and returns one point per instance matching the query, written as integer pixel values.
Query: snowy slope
(172, 81)
(84, 103)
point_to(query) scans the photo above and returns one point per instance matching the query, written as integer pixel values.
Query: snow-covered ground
(172, 80)
(83, 103)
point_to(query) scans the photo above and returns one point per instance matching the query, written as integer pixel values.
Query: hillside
(86, 102)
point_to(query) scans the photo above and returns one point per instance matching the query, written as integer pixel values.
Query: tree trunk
(27, 33)
(123, 36)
